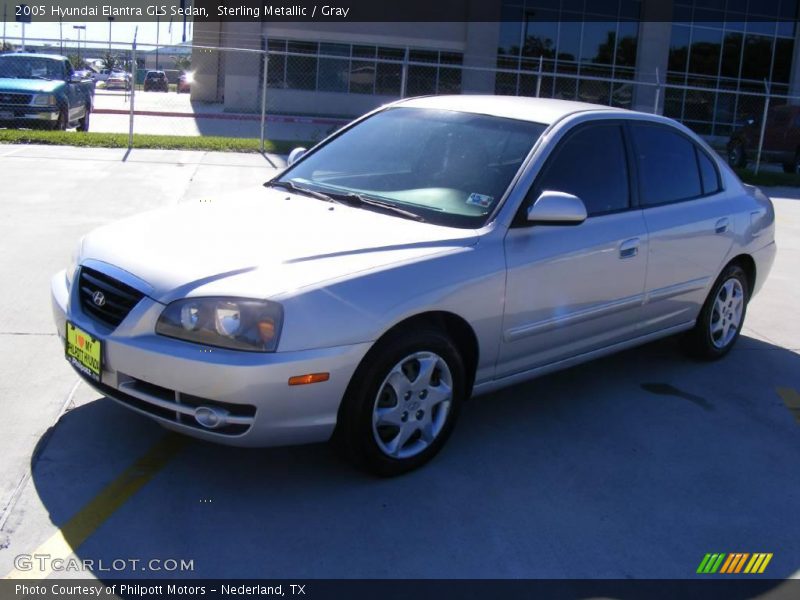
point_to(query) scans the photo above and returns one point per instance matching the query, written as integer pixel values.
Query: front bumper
(28, 114)
(167, 379)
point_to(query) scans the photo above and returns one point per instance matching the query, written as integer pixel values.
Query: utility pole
(158, 30)
(183, 5)
(79, 28)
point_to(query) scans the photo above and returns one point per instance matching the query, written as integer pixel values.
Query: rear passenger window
(590, 164)
(708, 173)
(667, 165)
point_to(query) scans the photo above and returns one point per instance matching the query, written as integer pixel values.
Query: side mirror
(296, 155)
(557, 208)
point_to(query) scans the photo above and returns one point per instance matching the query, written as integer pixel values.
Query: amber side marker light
(310, 378)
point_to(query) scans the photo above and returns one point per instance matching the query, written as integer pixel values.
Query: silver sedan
(435, 249)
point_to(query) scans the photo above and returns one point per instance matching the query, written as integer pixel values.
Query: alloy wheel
(412, 405)
(726, 315)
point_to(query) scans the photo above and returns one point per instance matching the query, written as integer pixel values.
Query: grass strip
(160, 142)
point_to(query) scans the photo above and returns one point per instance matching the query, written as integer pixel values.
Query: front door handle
(721, 225)
(629, 248)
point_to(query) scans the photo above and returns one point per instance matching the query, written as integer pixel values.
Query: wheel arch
(455, 326)
(746, 262)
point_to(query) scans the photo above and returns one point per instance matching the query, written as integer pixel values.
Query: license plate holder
(84, 352)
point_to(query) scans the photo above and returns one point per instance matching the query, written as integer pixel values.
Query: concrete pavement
(633, 466)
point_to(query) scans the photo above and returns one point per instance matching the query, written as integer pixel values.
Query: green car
(42, 90)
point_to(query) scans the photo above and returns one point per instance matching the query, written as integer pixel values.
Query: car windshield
(450, 168)
(30, 67)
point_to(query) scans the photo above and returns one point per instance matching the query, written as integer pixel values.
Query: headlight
(234, 323)
(44, 100)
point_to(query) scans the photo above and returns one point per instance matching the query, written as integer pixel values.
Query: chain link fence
(301, 92)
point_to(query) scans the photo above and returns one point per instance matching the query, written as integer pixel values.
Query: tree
(77, 62)
(6, 47)
(183, 63)
(110, 61)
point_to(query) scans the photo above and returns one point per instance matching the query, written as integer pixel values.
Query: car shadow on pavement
(635, 465)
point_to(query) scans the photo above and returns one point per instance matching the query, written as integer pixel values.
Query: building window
(362, 69)
(575, 44)
(727, 51)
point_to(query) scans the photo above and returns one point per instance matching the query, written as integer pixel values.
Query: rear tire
(402, 402)
(793, 167)
(721, 319)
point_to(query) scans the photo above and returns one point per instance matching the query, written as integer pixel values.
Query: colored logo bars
(734, 563)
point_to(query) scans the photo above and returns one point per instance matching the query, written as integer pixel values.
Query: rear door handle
(629, 248)
(721, 226)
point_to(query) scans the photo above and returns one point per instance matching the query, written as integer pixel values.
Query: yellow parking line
(792, 401)
(86, 521)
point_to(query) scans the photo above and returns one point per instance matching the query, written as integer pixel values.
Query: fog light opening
(211, 418)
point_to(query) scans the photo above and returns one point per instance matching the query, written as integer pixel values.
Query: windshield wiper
(293, 187)
(354, 199)
(349, 198)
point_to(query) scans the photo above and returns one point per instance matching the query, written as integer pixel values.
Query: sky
(98, 32)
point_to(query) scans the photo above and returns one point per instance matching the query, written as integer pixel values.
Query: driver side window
(590, 163)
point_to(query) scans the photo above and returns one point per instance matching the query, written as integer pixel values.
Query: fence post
(133, 89)
(658, 93)
(763, 126)
(264, 100)
(539, 78)
(404, 74)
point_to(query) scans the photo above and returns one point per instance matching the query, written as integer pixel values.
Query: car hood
(265, 246)
(29, 86)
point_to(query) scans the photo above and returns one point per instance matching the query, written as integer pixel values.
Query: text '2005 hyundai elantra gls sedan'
(434, 249)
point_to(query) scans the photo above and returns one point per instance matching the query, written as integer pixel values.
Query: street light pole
(110, 20)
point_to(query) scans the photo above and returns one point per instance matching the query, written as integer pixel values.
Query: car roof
(537, 110)
(36, 55)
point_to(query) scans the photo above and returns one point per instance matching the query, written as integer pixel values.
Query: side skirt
(496, 384)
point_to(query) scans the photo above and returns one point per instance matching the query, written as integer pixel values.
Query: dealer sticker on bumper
(84, 352)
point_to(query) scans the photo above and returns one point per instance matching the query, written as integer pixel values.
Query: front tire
(721, 319)
(736, 155)
(62, 122)
(83, 124)
(402, 402)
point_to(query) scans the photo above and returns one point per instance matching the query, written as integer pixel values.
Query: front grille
(118, 299)
(15, 98)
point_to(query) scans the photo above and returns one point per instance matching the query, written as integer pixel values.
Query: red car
(781, 140)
